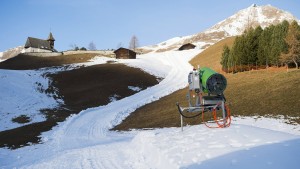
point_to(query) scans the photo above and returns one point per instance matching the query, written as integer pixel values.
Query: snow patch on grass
(23, 93)
(136, 89)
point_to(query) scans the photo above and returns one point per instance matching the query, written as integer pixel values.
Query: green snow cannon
(212, 82)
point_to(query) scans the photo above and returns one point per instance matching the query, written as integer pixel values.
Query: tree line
(133, 44)
(276, 45)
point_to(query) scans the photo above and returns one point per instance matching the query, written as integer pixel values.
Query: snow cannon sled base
(206, 81)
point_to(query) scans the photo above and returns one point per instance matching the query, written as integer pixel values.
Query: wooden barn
(123, 53)
(187, 46)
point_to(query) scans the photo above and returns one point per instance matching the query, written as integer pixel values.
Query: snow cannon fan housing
(207, 80)
(212, 82)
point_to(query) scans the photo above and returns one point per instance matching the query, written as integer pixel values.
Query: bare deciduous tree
(134, 43)
(74, 47)
(92, 46)
(293, 42)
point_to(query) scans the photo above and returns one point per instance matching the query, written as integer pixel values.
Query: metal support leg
(224, 113)
(181, 122)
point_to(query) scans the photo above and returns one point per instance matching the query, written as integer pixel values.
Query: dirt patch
(80, 89)
(26, 62)
(95, 85)
(21, 119)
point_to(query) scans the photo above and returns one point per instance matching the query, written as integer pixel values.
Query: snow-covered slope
(232, 26)
(84, 140)
(21, 94)
(240, 146)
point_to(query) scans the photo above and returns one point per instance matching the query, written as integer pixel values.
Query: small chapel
(40, 45)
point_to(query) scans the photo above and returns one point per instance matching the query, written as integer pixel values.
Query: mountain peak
(253, 5)
(252, 16)
(234, 25)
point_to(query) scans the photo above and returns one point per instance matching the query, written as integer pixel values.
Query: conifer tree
(255, 45)
(278, 44)
(225, 57)
(261, 46)
(263, 53)
(251, 45)
(237, 53)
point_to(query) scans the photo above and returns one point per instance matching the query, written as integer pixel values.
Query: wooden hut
(187, 46)
(123, 53)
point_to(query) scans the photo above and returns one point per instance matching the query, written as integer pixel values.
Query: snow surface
(21, 94)
(84, 140)
(136, 89)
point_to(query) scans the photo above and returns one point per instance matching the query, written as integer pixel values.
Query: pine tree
(263, 53)
(255, 45)
(259, 46)
(278, 44)
(251, 45)
(225, 57)
(237, 53)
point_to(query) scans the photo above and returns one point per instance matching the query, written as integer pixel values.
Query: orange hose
(226, 122)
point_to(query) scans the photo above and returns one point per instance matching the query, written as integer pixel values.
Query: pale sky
(108, 23)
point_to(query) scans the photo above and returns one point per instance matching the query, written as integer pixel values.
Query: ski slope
(84, 140)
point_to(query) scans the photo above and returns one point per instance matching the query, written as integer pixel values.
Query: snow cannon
(206, 94)
(212, 82)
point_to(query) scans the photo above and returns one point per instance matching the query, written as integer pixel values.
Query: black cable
(179, 109)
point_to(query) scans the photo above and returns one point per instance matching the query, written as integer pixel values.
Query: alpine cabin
(187, 46)
(123, 53)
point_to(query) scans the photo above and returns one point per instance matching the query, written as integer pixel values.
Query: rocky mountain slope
(234, 25)
(10, 53)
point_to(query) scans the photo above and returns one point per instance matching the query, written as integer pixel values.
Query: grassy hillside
(211, 57)
(268, 92)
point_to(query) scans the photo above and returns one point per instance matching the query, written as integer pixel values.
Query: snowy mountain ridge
(234, 25)
(252, 16)
(11, 53)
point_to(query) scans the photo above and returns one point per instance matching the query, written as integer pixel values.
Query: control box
(194, 81)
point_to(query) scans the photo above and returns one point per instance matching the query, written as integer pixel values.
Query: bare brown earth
(267, 92)
(25, 62)
(80, 89)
